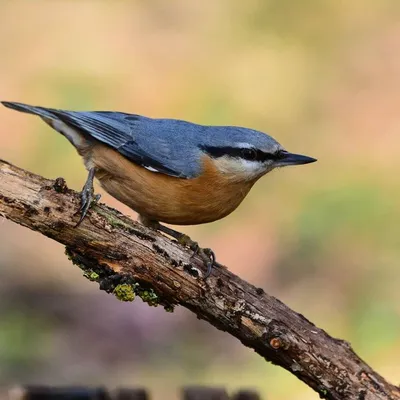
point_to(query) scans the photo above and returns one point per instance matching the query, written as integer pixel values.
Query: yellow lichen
(124, 292)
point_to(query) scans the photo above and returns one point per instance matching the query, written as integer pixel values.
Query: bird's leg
(87, 196)
(207, 255)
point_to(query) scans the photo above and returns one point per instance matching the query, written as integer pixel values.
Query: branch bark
(128, 259)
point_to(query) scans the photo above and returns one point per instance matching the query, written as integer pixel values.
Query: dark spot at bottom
(30, 211)
(362, 394)
(60, 185)
(174, 263)
(58, 225)
(141, 269)
(8, 200)
(161, 251)
(190, 270)
(106, 285)
(46, 210)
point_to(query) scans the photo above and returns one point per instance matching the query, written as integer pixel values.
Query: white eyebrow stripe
(244, 145)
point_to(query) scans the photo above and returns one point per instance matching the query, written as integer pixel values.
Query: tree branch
(128, 259)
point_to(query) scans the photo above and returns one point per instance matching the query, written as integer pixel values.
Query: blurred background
(321, 77)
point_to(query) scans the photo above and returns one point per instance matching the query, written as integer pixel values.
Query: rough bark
(127, 259)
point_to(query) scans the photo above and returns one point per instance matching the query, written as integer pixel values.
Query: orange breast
(168, 199)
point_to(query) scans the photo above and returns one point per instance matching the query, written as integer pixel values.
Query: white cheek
(240, 169)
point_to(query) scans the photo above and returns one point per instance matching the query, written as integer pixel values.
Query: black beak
(294, 159)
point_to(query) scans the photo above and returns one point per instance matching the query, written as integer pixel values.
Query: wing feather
(160, 145)
(124, 135)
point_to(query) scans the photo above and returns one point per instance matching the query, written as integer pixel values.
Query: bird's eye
(249, 154)
(280, 154)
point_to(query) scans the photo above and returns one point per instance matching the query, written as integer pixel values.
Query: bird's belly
(163, 198)
(173, 202)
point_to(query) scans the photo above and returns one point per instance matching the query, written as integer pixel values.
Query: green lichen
(146, 293)
(149, 297)
(91, 275)
(94, 276)
(169, 308)
(124, 287)
(112, 220)
(323, 393)
(124, 292)
(117, 222)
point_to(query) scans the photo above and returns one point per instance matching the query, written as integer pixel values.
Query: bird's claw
(206, 255)
(88, 198)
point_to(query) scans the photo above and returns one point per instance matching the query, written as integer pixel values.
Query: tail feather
(53, 118)
(41, 111)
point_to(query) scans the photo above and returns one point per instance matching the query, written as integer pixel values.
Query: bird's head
(246, 154)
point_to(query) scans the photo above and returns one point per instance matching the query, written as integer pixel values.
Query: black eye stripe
(243, 153)
(249, 154)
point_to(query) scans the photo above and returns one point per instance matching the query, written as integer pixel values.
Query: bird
(167, 170)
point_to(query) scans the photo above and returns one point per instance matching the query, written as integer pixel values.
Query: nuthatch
(167, 170)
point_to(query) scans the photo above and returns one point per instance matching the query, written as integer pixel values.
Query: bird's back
(169, 146)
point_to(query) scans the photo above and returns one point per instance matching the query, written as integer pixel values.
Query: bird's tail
(41, 111)
(55, 119)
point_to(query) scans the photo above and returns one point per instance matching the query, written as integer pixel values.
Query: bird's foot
(88, 198)
(206, 255)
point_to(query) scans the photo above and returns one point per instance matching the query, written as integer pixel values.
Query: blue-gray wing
(160, 145)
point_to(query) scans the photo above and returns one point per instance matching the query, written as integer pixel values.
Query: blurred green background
(322, 77)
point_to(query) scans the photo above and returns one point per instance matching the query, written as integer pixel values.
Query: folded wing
(155, 144)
